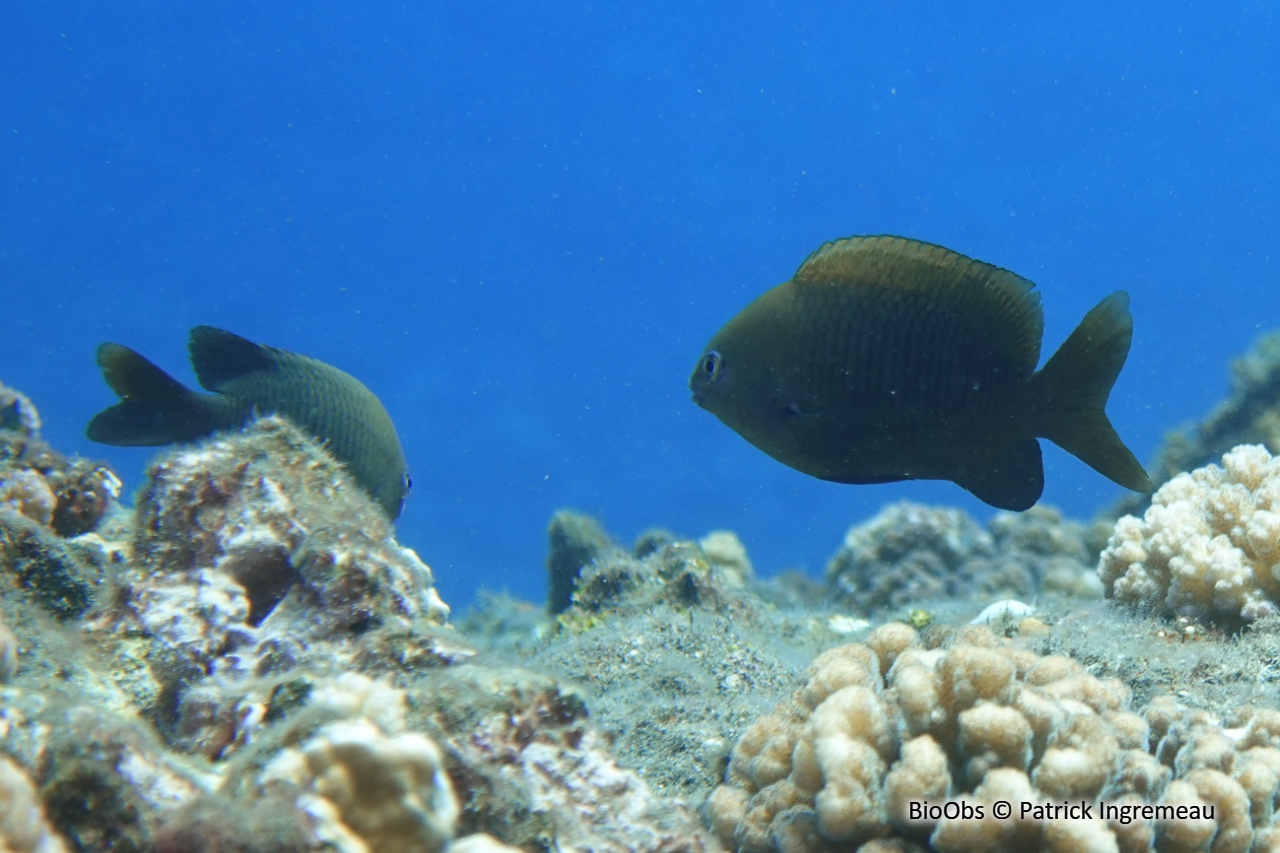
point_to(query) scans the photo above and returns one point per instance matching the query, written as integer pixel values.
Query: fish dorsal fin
(219, 356)
(898, 267)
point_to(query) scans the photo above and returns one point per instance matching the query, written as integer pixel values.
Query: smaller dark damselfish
(249, 380)
(887, 359)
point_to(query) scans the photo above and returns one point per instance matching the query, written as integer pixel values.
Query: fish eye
(406, 483)
(711, 365)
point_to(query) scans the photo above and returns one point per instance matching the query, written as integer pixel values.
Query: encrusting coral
(1207, 548)
(883, 728)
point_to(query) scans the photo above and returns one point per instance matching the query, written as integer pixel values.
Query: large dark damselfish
(888, 359)
(249, 380)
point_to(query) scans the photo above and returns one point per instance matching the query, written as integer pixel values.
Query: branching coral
(1208, 548)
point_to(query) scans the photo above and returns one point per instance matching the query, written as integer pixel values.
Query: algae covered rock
(256, 556)
(69, 495)
(35, 562)
(575, 542)
(909, 554)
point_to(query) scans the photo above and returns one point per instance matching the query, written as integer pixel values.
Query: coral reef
(188, 681)
(1207, 547)
(662, 570)
(883, 727)
(248, 660)
(910, 553)
(70, 496)
(257, 556)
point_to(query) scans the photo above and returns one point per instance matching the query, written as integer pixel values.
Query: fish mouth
(697, 397)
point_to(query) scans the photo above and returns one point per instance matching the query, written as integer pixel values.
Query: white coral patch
(1208, 547)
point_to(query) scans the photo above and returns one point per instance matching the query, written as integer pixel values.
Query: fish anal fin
(1007, 477)
(219, 356)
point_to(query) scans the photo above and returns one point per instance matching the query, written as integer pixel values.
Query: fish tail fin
(154, 407)
(1072, 390)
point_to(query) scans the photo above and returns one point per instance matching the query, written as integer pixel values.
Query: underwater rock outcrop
(254, 557)
(661, 569)
(69, 496)
(1249, 415)
(250, 661)
(909, 553)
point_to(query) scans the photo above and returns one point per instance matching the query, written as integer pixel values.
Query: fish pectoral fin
(1008, 476)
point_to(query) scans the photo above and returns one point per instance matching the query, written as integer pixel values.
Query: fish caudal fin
(1071, 392)
(154, 407)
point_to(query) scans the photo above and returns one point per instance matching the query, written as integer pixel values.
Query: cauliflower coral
(1208, 548)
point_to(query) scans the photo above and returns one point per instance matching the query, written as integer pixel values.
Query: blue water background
(520, 222)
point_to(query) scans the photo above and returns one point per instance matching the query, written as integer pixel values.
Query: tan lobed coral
(882, 728)
(1208, 547)
(364, 788)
